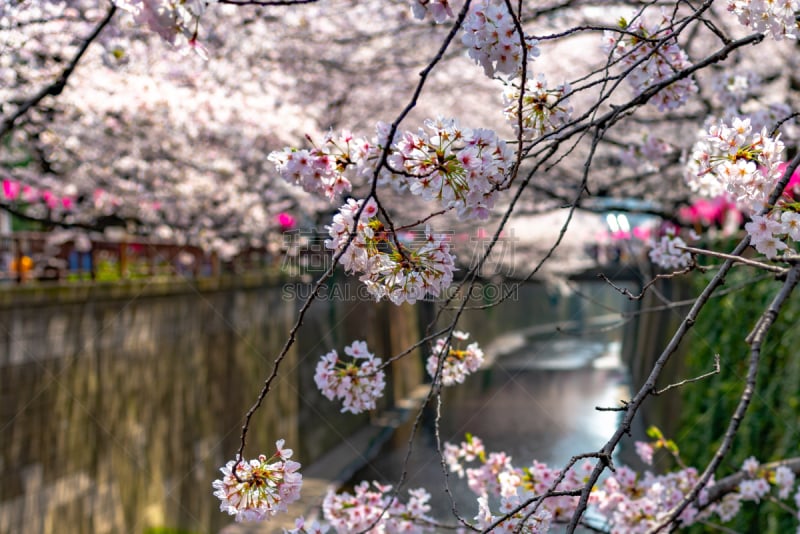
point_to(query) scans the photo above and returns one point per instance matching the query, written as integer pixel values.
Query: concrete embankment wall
(659, 315)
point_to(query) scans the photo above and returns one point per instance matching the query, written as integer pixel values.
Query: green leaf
(655, 433)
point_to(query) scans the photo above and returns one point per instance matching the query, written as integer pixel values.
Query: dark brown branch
(422, 220)
(729, 484)
(55, 88)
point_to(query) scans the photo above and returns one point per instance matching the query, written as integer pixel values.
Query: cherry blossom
(496, 476)
(651, 65)
(543, 109)
(753, 490)
(729, 506)
(629, 502)
(492, 40)
(735, 160)
(255, 490)
(649, 154)
(640, 503)
(177, 22)
(746, 166)
(300, 527)
(358, 383)
(375, 510)
(521, 521)
(732, 88)
(774, 18)
(667, 252)
(440, 10)
(784, 480)
(459, 167)
(327, 168)
(401, 272)
(458, 363)
(645, 451)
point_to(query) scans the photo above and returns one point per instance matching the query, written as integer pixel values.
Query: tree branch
(55, 88)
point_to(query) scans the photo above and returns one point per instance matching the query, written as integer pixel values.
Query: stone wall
(119, 402)
(646, 337)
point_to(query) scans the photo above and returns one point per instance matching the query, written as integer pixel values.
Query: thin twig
(690, 380)
(647, 286)
(737, 259)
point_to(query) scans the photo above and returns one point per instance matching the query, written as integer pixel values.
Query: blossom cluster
(522, 521)
(769, 233)
(779, 228)
(492, 39)
(495, 476)
(358, 382)
(376, 510)
(300, 527)
(637, 503)
(627, 502)
(652, 56)
(257, 489)
(633, 504)
(774, 18)
(735, 160)
(459, 167)
(648, 155)
(543, 109)
(440, 10)
(667, 252)
(740, 164)
(458, 363)
(327, 168)
(391, 269)
(732, 88)
(747, 166)
(176, 21)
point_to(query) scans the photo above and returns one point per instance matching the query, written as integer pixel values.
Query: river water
(537, 399)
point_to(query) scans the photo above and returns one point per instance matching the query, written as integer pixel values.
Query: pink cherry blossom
(256, 490)
(390, 269)
(492, 40)
(458, 363)
(358, 383)
(651, 65)
(375, 510)
(645, 452)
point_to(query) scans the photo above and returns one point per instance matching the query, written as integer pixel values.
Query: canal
(536, 400)
(120, 402)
